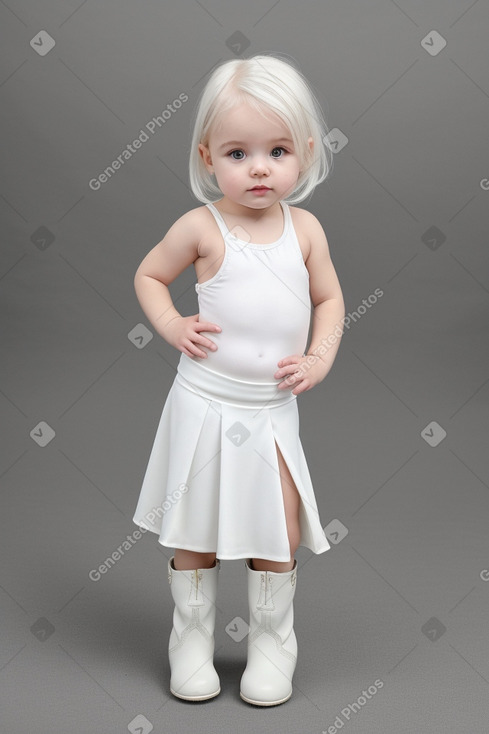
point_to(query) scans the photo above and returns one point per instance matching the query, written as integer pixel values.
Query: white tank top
(260, 298)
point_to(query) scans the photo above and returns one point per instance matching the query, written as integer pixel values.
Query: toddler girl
(227, 477)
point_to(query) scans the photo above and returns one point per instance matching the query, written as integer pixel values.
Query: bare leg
(186, 560)
(291, 505)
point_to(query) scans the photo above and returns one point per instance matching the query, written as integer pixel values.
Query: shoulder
(191, 225)
(309, 228)
(203, 224)
(306, 220)
(193, 218)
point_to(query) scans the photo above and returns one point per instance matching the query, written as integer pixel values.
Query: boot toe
(262, 690)
(200, 686)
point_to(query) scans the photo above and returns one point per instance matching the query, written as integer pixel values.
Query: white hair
(269, 84)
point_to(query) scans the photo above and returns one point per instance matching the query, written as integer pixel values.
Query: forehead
(244, 122)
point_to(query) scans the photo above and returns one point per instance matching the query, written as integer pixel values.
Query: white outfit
(212, 482)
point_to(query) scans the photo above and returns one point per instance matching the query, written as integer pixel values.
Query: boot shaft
(271, 592)
(194, 593)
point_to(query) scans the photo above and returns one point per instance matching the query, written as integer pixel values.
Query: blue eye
(233, 156)
(279, 147)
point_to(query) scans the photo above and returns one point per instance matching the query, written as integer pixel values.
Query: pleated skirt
(212, 482)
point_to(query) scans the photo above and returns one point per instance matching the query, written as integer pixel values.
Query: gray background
(84, 656)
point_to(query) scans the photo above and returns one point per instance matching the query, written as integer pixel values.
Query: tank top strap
(287, 228)
(219, 220)
(287, 218)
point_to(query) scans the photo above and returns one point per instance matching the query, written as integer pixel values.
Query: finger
(287, 370)
(303, 387)
(206, 326)
(289, 382)
(196, 352)
(291, 359)
(290, 367)
(296, 385)
(189, 353)
(205, 342)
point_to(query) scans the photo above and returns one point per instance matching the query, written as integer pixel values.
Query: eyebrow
(239, 142)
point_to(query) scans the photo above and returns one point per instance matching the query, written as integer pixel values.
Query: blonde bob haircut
(272, 86)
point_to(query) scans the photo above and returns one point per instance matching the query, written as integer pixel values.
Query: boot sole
(196, 698)
(265, 703)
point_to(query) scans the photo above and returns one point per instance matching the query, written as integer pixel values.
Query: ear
(310, 142)
(206, 157)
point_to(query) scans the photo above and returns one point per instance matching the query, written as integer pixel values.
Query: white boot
(191, 645)
(272, 644)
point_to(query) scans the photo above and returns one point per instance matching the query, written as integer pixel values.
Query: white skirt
(212, 483)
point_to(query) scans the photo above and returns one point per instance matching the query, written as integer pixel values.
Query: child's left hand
(299, 373)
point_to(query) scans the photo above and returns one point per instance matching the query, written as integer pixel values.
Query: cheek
(229, 178)
(293, 172)
(231, 173)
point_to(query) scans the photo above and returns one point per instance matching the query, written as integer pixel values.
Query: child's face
(246, 150)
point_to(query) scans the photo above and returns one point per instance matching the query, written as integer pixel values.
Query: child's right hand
(183, 333)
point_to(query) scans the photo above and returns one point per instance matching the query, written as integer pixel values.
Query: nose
(259, 166)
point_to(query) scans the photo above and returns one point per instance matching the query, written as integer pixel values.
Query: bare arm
(302, 373)
(326, 296)
(161, 266)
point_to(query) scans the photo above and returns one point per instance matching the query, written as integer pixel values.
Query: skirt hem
(227, 556)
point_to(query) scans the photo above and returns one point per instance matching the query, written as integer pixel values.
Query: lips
(260, 188)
